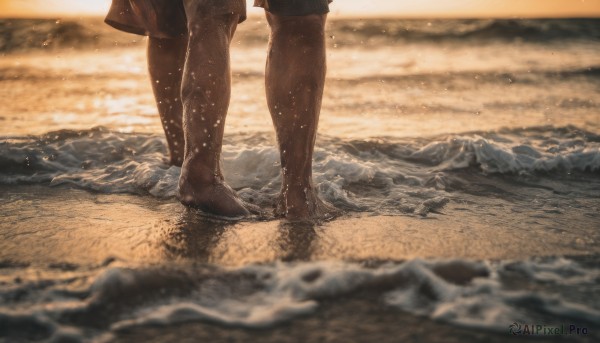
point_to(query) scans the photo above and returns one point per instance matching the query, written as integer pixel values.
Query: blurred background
(397, 8)
(404, 65)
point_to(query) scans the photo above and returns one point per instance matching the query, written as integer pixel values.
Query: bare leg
(295, 79)
(165, 64)
(206, 91)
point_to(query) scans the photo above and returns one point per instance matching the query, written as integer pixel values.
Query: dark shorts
(168, 18)
(294, 7)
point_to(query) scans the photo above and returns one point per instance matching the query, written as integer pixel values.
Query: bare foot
(209, 194)
(304, 204)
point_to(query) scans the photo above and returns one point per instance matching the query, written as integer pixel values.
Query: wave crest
(357, 175)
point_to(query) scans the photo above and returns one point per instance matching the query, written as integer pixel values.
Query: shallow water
(467, 165)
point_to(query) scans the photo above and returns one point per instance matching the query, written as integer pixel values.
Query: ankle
(198, 172)
(175, 160)
(298, 187)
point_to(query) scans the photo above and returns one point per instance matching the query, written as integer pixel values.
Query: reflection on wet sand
(296, 241)
(44, 225)
(192, 236)
(202, 239)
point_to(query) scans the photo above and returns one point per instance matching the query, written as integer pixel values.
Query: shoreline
(87, 228)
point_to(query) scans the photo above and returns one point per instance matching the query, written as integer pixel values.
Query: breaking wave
(467, 293)
(49, 34)
(362, 175)
(480, 30)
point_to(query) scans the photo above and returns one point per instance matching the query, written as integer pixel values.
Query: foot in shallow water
(211, 195)
(304, 204)
(215, 199)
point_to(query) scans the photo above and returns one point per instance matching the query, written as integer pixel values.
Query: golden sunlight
(403, 8)
(50, 8)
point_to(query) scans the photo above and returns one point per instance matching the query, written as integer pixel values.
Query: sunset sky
(411, 8)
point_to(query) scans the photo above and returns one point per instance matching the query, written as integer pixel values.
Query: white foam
(289, 290)
(498, 156)
(459, 292)
(232, 313)
(111, 162)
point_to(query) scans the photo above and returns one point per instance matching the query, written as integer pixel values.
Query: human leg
(166, 58)
(164, 21)
(206, 90)
(192, 97)
(295, 78)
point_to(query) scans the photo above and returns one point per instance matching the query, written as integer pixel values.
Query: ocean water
(465, 155)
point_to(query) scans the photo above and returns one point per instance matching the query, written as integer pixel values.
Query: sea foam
(355, 175)
(461, 292)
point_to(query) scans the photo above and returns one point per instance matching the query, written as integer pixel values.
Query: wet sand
(65, 225)
(73, 227)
